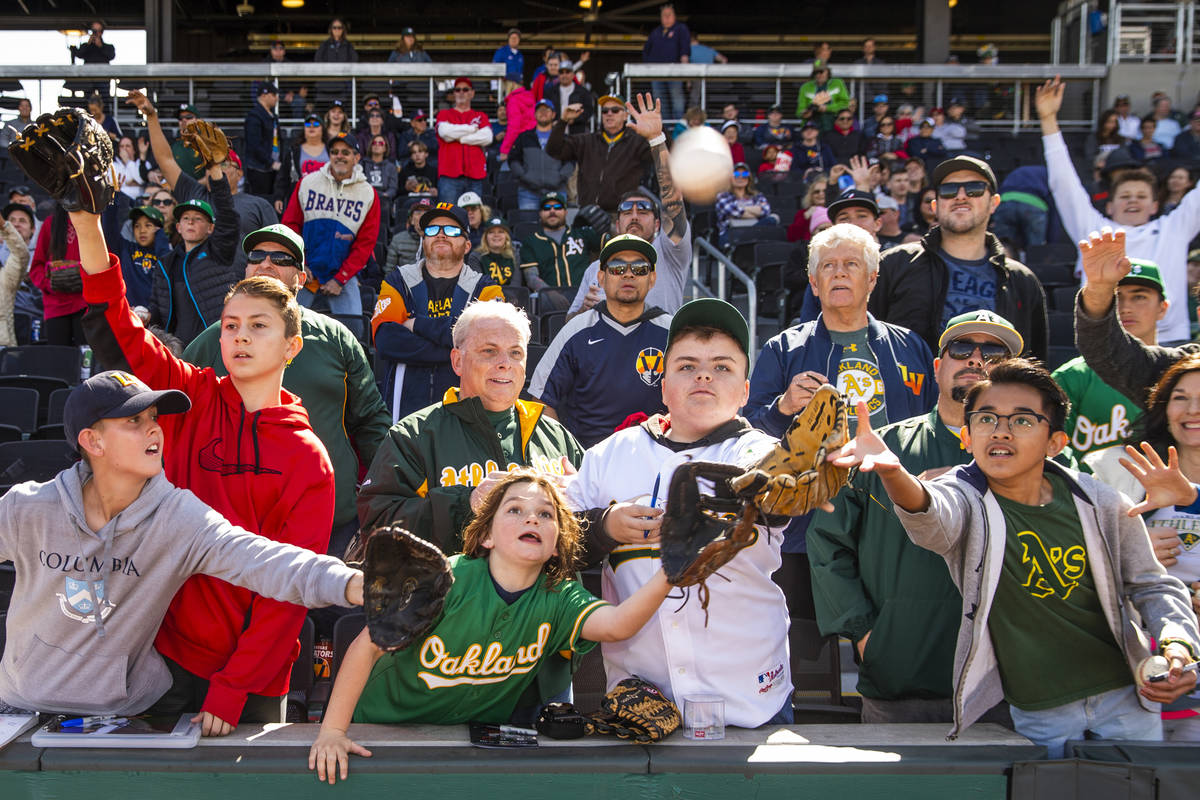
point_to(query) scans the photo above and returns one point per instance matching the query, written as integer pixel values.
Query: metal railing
(998, 97)
(725, 265)
(1143, 33)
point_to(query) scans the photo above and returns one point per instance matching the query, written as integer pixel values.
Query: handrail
(724, 264)
(895, 72)
(252, 70)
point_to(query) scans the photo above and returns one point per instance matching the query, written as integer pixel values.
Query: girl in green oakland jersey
(513, 601)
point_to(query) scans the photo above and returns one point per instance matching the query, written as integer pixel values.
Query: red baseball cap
(237, 162)
(467, 81)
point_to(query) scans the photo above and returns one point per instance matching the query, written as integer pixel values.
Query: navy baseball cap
(347, 139)
(446, 210)
(853, 197)
(113, 395)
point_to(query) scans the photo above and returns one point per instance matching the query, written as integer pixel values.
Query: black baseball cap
(267, 88)
(627, 241)
(1119, 158)
(446, 210)
(711, 312)
(553, 197)
(348, 139)
(112, 395)
(11, 207)
(851, 198)
(957, 163)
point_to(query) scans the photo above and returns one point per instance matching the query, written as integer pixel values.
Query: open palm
(866, 450)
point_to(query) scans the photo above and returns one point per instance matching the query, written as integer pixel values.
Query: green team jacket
(560, 264)
(431, 460)
(1100, 416)
(336, 385)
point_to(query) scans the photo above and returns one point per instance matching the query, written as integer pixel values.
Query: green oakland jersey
(1100, 416)
(1053, 643)
(480, 656)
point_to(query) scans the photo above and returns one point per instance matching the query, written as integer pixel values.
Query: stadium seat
(43, 385)
(33, 461)
(1063, 298)
(533, 355)
(57, 404)
(302, 675)
(770, 262)
(816, 666)
(518, 296)
(1059, 355)
(57, 431)
(19, 408)
(550, 324)
(1062, 327)
(45, 360)
(344, 632)
(10, 433)
(523, 230)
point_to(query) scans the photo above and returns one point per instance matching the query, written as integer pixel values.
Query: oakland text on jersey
(343, 206)
(473, 474)
(477, 665)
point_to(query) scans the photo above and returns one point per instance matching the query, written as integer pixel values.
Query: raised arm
(158, 140)
(870, 454)
(646, 120)
(330, 753)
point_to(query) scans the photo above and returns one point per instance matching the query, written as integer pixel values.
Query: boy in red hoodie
(246, 449)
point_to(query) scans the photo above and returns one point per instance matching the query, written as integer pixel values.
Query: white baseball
(701, 164)
(1154, 665)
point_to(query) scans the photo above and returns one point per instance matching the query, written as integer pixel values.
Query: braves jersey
(598, 371)
(481, 655)
(741, 654)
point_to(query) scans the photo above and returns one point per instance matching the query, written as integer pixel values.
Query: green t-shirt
(858, 376)
(1052, 640)
(480, 656)
(1100, 416)
(507, 430)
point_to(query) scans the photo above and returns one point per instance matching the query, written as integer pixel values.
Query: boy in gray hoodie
(1053, 570)
(101, 550)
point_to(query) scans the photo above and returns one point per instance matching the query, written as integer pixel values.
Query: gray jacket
(534, 169)
(88, 605)
(965, 525)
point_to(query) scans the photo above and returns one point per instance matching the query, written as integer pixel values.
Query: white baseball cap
(469, 199)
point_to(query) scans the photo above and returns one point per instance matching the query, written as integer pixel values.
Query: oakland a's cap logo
(650, 365)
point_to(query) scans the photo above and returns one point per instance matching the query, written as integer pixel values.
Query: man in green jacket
(895, 601)
(821, 98)
(559, 254)
(438, 463)
(330, 375)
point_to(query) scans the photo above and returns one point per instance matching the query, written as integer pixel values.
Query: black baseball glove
(635, 709)
(405, 582)
(69, 155)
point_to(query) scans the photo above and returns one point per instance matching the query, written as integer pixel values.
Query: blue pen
(80, 722)
(653, 500)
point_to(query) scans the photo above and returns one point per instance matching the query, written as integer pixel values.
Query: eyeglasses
(640, 205)
(553, 207)
(962, 349)
(336, 28)
(342, 151)
(844, 117)
(313, 124)
(886, 124)
(741, 173)
(277, 258)
(611, 110)
(949, 189)
(638, 269)
(453, 231)
(461, 89)
(167, 202)
(1022, 423)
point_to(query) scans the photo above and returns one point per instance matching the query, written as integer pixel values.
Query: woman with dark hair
(743, 205)
(307, 154)
(1179, 182)
(886, 140)
(925, 218)
(55, 270)
(128, 168)
(336, 120)
(408, 50)
(337, 48)
(1107, 136)
(375, 125)
(1146, 149)
(382, 174)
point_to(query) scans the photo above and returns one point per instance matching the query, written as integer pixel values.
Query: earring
(288, 363)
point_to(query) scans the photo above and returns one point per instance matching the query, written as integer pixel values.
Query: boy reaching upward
(1026, 539)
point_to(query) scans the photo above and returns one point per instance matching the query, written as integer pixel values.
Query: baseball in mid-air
(1154, 665)
(701, 164)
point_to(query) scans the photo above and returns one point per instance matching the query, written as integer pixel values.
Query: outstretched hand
(1165, 484)
(646, 119)
(1104, 260)
(140, 102)
(866, 450)
(1048, 97)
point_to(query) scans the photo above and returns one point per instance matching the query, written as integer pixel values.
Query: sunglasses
(313, 124)
(342, 151)
(553, 207)
(949, 189)
(638, 269)
(461, 89)
(640, 205)
(277, 258)
(453, 231)
(741, 173)
(611, 110)
(961, 350)
(843, 118)
(162, 202)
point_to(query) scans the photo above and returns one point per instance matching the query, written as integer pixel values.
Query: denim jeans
(450, 189)
(528, 200)
(661, 90)
(346, 307)
(1115, 714)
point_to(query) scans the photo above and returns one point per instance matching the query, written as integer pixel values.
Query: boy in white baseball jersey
(513, 602)
(742, 653)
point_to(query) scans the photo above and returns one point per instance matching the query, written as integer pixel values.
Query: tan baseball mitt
(208, 141)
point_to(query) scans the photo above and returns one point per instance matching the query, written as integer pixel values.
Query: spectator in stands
(845, 140)
(418, 305)
(959, 266)
(773, 131)
(431, 462)
(926, 218)
(374, 124)
(477, 214)
(369, 103)
(704, 385)
(1107, 136)
(558, 254)
(330, 373)
(868, 360)
(463, 134)
(419, 131)
(337, 48)
(879, 110)
(811, 153)
(1179, 182)
(732, 134)
(95, 50)
(547, 75)
(743, 205)
(129, 173)
(669, 43)
(336, 121)
(337, 212)
(10, 130)
(55, 271)
(408, 50)
(869, 580)
(1131, 206)
(925, 146)
(569, 92)
(95, 108)
(607, 363)
(1129, 125)
(868, 54)
(185, 157)
(14, 267)
(519, 116)
(890, 233)
(612, 161)
(822, 98)
(885, 139)
(497, 258)
(1023, 217)
(536, 171)
(1145, 149)
(380, 170)
(509, 54)
(776, 162)
(260, 137)
(918, 177)
(814, 198)
(141, 258)
(1101, 417)
(1187, 143)
(418, 176)
(405, 246)
(307, 155)
(898, 190)
(701, 54)
(954, 129)
(1168, 122)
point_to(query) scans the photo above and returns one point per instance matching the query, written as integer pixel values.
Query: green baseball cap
(1144, 273)
(981, 321)
(627, 241)
(280, 234)
(194, 205)
(149, 212)
(710, 312)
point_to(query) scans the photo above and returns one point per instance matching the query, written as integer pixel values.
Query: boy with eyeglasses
(558, 254)
(1052, 569)
(416, 311)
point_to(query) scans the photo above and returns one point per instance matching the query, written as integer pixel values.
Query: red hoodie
(265, 471)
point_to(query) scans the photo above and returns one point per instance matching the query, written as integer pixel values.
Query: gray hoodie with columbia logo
(87, 605)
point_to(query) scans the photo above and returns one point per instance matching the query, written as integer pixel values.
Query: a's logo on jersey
(859, 379)
(1188, 540)
(1051, 572)
(649, 366)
